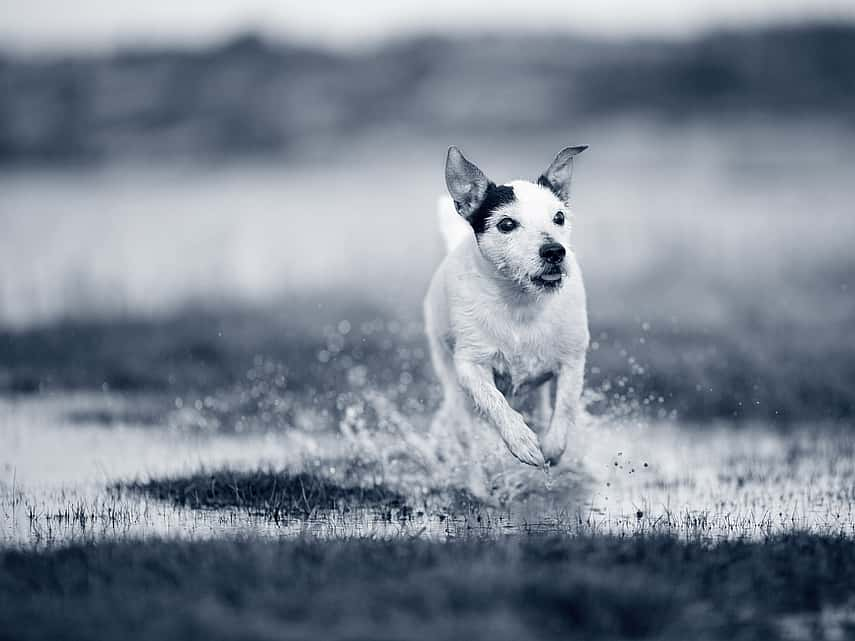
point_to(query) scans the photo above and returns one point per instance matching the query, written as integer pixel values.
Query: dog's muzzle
(552, 254)
(550, 278)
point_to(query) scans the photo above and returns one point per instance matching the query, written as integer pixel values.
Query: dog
(505, 313)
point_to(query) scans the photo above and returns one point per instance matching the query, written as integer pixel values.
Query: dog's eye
(507, 225)
(558, 218)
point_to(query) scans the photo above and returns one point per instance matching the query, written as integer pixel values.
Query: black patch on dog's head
(494, 197)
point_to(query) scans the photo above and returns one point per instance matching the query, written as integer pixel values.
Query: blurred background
(228, 207)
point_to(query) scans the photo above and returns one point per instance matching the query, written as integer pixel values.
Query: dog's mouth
(551, 278)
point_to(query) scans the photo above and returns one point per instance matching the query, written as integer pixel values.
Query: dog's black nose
(552, 252)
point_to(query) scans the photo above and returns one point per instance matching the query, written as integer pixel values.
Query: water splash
(618, 476)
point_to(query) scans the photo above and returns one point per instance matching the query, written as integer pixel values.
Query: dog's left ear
(557, 176)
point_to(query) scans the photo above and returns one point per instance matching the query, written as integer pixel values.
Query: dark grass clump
(269, 493)
(514, 588)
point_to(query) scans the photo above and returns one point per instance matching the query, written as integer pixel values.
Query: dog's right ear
(466, 183)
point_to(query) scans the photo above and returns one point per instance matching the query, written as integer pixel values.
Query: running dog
(505, 312)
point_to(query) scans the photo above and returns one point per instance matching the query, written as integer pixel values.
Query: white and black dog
(505, 312)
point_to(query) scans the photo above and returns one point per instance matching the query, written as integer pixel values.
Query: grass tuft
(270, 493)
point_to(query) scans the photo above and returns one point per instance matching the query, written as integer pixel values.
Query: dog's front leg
(568, 395)
(477, 380)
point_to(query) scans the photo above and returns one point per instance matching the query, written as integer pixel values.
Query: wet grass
(299, 556)
(517, 588)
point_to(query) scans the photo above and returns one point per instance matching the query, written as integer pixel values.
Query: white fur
(484, 314)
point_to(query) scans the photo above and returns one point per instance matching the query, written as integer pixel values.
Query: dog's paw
(554, 443)
(523, 444)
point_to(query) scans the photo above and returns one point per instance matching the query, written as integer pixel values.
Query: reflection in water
(58, 480)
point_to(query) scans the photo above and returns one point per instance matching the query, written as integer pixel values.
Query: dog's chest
(524, 359)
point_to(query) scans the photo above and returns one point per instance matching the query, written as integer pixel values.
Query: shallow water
(622, 477)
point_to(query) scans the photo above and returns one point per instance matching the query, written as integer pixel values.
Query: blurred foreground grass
(534, 587)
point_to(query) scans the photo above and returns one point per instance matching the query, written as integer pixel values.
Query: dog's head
(522, 228)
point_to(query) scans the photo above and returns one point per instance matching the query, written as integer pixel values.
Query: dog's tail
(453, 228)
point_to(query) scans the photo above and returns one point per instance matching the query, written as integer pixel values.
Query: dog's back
(452, 226)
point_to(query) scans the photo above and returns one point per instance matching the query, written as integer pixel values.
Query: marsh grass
(280, 494)
(530, 587)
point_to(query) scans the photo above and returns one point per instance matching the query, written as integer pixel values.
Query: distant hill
(250, 96)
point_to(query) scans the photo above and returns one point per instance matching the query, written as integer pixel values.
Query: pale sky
(103, 24)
